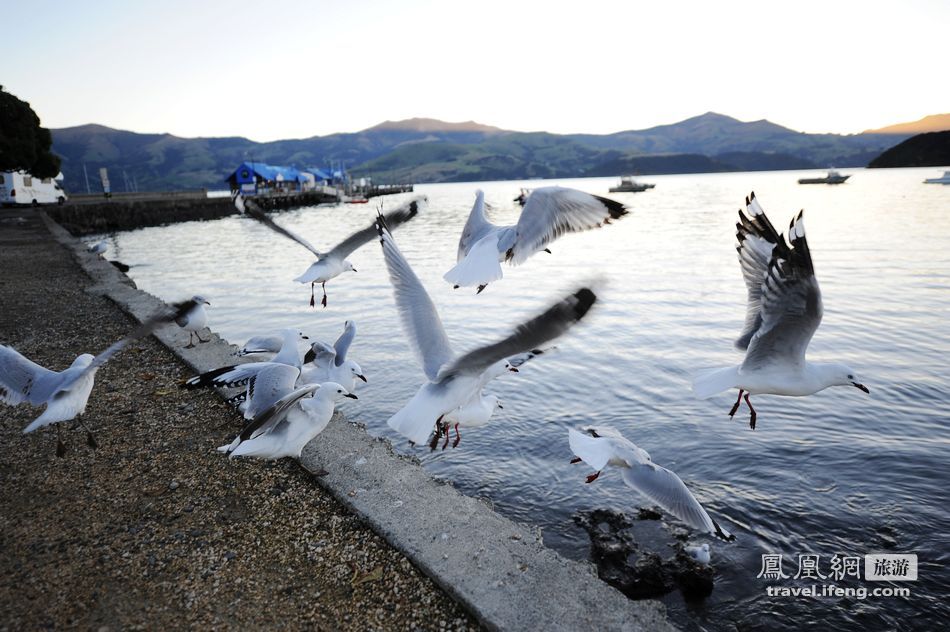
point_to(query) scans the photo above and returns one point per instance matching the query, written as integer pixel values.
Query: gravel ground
(154, 528)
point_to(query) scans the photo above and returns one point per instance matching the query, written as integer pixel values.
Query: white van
(19, 187)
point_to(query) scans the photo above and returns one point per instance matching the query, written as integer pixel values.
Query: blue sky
(298, 69)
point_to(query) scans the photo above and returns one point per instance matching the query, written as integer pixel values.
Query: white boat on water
(944, 179)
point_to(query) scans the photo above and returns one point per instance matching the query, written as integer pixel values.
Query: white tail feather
(416, 420)
(479, 267)
(715, 381)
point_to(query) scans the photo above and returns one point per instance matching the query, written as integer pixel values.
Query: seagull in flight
(453, 381)
(548, 213)
(784, 310)
(66, 393)
(331, 263)
(599, 447)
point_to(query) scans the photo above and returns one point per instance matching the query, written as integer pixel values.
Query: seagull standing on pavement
(194, 320)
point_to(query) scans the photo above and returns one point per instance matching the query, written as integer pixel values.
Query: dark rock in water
(121, 266)
(647, 513)
(637, 573)
(695, 580)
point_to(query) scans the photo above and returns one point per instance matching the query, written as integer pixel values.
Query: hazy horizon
(219, 69)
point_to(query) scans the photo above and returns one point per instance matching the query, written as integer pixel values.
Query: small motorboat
(833, 177)
(944, 179)
(629, 184)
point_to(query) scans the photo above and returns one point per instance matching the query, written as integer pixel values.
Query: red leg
(751, 411)
(735, 406)
(458, 437)
(592, 477)
(445, 429)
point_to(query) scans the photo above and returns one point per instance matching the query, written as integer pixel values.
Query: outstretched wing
(758, 239)
(393, 219)
(251, 209)
(22, 380)
(476, 227)
(342, 344)
(420, 320)
(552, 211)
(791, 306)
(667, 490)
(555, 321)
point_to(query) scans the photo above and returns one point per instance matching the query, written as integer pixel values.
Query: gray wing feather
(476, 227)
(321, 354)
(758, 240)
(667, 490)
(393, 219)
(342, 344)
(530, 335)
(251, 209)
(791, 307)
(23, 380)
(266, 387)
(420, 320)
(267, 420)
(552, 211)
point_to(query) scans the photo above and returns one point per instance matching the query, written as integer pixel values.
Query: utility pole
(88, 190)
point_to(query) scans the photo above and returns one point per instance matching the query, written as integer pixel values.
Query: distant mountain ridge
(429, 150)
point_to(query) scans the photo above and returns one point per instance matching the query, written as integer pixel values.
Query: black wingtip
(310, 356)
(615, 208)
(722, 534)
(585, 300)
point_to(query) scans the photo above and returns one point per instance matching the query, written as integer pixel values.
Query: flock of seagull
(289, 392)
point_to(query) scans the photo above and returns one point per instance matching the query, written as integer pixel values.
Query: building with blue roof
(253, 178)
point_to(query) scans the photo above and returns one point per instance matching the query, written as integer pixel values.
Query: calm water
(839, 472)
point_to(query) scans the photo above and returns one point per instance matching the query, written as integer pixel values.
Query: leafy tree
(23, 143)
